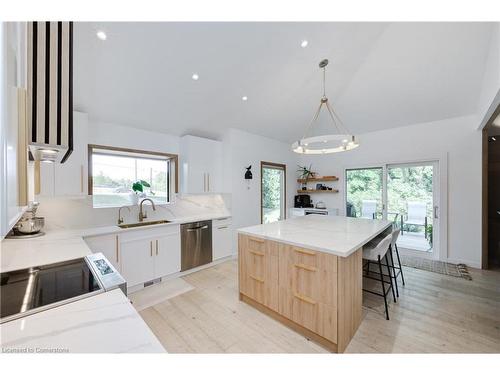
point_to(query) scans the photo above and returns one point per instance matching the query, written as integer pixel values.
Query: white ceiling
(381, 75)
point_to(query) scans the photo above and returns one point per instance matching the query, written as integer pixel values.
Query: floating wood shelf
(317, 179)
(316, 191)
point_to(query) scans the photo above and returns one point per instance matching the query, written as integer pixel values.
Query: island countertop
(337, 235)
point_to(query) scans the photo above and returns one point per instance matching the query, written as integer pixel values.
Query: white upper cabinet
(201, 165)
(69, 178)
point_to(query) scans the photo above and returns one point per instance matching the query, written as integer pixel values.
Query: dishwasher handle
(197, 228)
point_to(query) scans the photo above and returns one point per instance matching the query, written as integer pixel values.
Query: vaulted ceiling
(381, 75)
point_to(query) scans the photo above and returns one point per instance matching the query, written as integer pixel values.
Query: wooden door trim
(484, 202)
(264, 164)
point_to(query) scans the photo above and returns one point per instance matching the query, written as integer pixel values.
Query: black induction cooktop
(34, 288)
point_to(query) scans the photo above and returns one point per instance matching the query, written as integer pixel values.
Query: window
(112, 171)
(273, 192)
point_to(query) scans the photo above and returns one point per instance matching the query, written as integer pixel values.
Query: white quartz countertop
(58, 245)
(337, 235)
(105, 323)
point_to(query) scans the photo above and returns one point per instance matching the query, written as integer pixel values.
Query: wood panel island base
(315, 292)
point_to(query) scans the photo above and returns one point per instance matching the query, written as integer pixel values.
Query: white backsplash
(73, 213)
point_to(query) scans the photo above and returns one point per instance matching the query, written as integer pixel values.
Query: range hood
(50, 90)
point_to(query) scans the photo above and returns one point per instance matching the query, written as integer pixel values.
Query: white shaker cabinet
(221, 238)
(137, 261)
(151, 253)
(109, 245)
(201, 165)
(168, 255)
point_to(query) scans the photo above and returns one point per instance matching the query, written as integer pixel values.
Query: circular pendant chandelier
(341, 141)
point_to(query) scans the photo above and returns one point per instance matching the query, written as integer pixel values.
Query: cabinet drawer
(221, 222)
(259, 270)
(308, 289)
(309, 313)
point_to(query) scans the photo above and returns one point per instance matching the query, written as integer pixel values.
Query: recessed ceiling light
(244, 98)
(101, 35)
(195, 77)
(304, 43)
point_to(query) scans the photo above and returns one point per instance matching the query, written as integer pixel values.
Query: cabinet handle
(151, 247)
(222, 227)
(303, 251)
(305, 267)
(116, 242)
(156, 247)
(256, 239)
(256, 279)
(256, 253)
(204, 182)
(208, 182)
(304, 298)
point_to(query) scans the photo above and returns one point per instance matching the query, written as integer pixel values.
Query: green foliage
(404, 184)
(305, 172)
(271, 187)
(139, 186)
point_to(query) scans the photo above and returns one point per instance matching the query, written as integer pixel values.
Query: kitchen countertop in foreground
(337, 235)
(105, 323)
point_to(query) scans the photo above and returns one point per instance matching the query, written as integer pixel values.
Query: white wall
(242, 149)
(489, 97)
(108, 134)
(458, 141)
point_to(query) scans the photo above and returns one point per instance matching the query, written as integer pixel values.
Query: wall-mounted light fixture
(248, 173)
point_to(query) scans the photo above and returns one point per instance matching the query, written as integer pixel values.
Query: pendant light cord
(333, 115)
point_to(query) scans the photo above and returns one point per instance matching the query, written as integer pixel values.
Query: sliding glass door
(412, 203)
(406, 194)
(364, 193)
(273, 192)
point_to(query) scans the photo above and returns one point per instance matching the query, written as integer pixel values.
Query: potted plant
(138, 190)
(305, 173)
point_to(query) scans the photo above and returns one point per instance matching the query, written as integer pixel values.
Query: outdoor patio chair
(417, 215)
(368, 209)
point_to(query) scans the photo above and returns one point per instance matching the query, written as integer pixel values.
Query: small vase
(134, 198)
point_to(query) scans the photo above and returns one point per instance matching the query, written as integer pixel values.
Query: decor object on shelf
(326, 144)
(305, 173)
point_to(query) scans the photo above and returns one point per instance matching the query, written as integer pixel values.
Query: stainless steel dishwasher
(196, 244)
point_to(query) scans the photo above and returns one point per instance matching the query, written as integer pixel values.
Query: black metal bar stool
(375, 255)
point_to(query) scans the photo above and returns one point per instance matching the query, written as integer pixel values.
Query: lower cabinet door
(138, 261)
(259, 270)
(308, 289)
(167, 251)
(221, 241)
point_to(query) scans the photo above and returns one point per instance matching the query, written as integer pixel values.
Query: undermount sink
(143, 224)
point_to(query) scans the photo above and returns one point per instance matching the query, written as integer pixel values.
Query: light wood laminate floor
(435, 314)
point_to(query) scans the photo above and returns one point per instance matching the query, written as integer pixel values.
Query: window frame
(272, 165)
(174, 158)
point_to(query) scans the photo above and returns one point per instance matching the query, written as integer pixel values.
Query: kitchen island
(306, 272)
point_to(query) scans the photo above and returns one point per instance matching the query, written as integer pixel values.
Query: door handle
(436, 212)
(197, 228)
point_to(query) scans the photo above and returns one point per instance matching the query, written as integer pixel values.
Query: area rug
(157, 293)
(436, 266)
